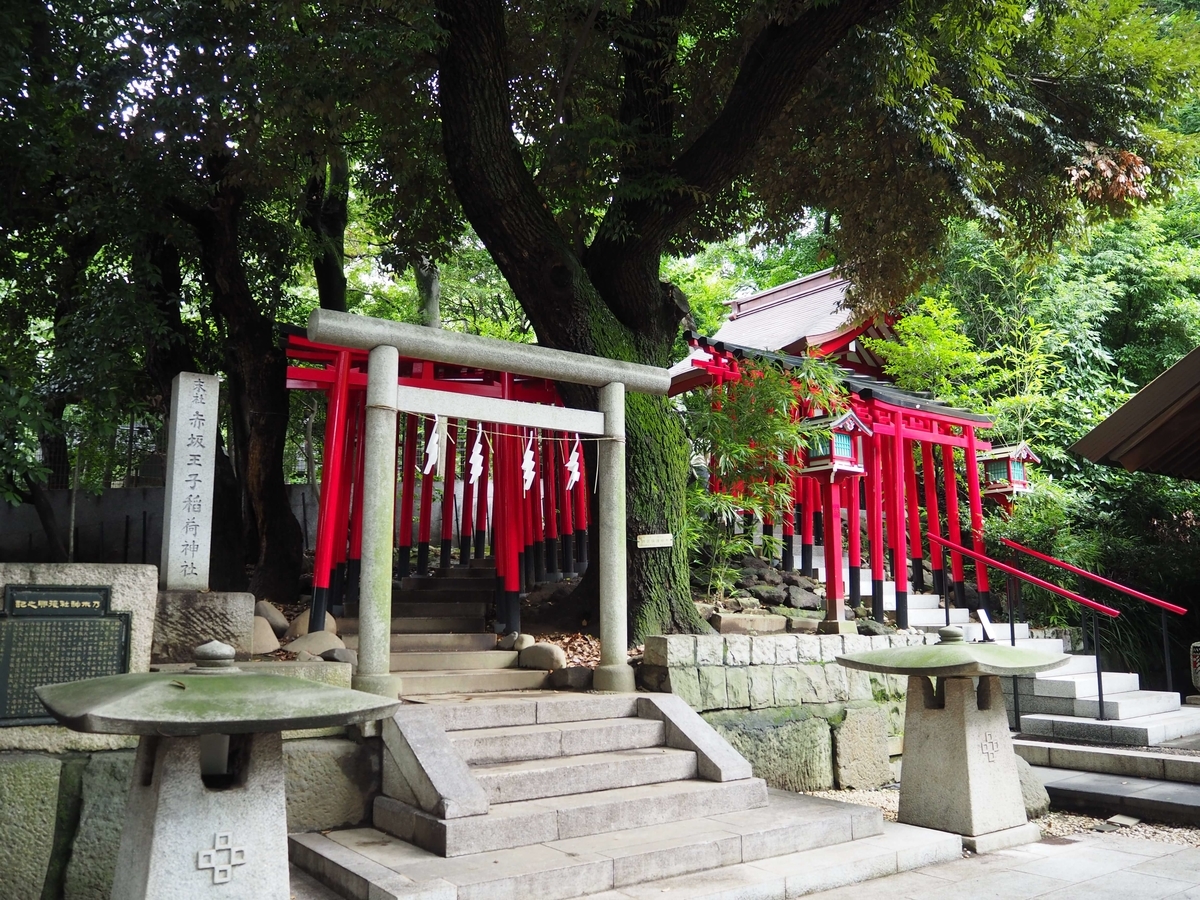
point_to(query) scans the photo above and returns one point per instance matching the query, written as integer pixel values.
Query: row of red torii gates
(537, 483)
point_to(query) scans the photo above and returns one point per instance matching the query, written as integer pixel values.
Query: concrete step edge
(453, 660)
(519, 824)
(563, 775)
(485, 746)
(449, 681)
(1110, 760)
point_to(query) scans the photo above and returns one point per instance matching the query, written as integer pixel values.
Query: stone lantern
(959, 772)
(206, 814)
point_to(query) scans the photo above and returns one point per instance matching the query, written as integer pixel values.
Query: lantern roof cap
(952, 657)
(1020, 452)
(212, 697)
(843, 421)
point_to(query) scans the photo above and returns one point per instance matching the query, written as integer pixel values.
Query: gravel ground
(1058, 824)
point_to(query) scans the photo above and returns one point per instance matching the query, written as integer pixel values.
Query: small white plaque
(645, 541)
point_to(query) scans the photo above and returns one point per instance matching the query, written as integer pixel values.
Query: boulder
(341, 654)
(750, 561)
(705, 610)
(29, 786)
(507, 641)
(272, 613)
(770, 594)
(101, 817)
(299, 625)
(523, 642)
(1033, 792)
(870, 626)
(572, 678)
(802, 598)
(542, 656)
(741, 603)
(791, 579)
(265, 640)
(316, 643)
(770, 576)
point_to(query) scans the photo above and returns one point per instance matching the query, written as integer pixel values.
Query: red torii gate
(900, 423)
(529, 527)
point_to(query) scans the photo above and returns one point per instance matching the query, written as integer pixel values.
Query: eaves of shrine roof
(790, 317)
(864, 386)
(1156, 429)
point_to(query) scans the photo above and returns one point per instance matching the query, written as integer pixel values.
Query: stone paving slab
(1144, 798)
(1085, 867)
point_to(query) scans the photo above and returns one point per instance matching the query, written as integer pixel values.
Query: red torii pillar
(873, 452)
(929, 475)
(976, 501)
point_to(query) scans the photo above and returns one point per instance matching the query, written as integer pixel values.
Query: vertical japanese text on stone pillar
(191, 461)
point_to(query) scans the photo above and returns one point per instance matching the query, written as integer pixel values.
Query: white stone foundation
(960, 771)
(184, 840)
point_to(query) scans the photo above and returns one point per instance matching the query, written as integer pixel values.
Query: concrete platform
(1110, 760)
(1144, 798)
(1141, 731)
(1082, 867)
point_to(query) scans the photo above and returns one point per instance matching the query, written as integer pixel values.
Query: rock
(753, 562)
(860, 750)
(770, 594)
(803, 624)
(770, 576)
(299, 625)
(101, 818)
(271, 612)
(1033, 792)
(788, 747)
(744, 623)
(341, 654)
(572, 678)
(542, 656)
(747, 580)
(705, 610)
(507, 641)
(265, 640)
(801, 598)
(870, 626)
(28, 807)
(316, 643)
(792, 579)
(523, 642)
(305, 656)
(743, 603)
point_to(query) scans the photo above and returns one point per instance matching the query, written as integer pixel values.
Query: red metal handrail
(1025, 576)
(1099, 579)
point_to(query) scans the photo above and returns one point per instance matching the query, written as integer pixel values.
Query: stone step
(521, 742)
(1117, 706)
(439, 625)
(937, 617)
(538, 778)
(485, 569)
(464, 712)
(365, 862)
(525, 822)
(487, 562)
(418, 661)
(457, 609)
(915, 601)
(1076, 664)
(973, 631)
(439, 596)
(475, 681)
(1145, 731)
(456, 582)
(1111, 761)
(1073, 686)
(431, 643)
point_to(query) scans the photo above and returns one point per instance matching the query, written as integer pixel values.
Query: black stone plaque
(52, 634)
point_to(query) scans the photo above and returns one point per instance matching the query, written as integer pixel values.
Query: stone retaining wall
(802, 720)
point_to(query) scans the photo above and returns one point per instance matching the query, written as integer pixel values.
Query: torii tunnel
(523, 490)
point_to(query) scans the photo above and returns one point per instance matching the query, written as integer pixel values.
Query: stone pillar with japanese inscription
(191, 469)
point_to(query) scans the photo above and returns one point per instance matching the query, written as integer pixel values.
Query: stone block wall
(803, 721)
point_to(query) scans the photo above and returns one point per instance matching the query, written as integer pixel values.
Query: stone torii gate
(387, 341)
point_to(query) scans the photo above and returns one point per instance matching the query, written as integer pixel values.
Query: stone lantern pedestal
(960, 772)
(206, 814)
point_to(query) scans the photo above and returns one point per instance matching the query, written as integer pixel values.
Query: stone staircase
(439, 635)
(1065, 703)
(559, 796)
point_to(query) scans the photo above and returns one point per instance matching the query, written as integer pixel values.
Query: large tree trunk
(258, 395)
(325, 215)
(610, 302)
